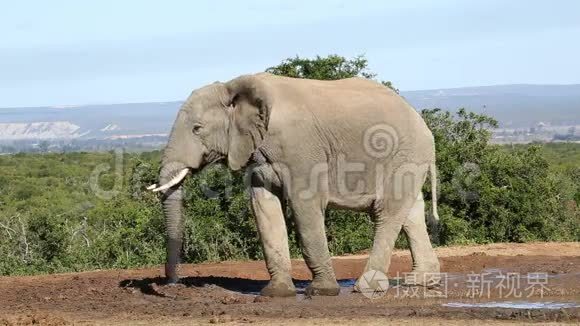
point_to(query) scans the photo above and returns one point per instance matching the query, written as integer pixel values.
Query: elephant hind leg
(425, 263)
(391, 212)
(269, 215)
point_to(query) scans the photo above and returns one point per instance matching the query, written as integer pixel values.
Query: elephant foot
(427, 276)
(279, 289)
(326, 287)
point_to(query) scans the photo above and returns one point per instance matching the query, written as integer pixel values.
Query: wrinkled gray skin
(306, 143)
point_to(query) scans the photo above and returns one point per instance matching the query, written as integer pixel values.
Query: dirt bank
(226, 292)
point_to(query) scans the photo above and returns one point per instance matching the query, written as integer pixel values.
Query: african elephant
(311, 144)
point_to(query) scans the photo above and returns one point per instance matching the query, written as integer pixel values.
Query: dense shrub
(490, 193)
(498, 194)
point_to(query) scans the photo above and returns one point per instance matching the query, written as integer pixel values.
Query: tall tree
(331, 67)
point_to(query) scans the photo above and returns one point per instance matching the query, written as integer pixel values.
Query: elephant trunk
(182, 155)
(171, 178)
(173, 209)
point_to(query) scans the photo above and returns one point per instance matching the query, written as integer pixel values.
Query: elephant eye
(196, 128)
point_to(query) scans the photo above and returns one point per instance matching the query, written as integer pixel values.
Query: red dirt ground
(226, 292)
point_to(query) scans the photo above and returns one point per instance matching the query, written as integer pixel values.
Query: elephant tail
(434, 217)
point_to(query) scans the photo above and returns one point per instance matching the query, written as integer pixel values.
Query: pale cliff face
(39, 130)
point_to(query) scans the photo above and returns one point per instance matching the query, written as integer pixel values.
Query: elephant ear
(250, 107)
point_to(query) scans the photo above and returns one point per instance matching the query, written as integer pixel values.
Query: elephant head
(221, 121)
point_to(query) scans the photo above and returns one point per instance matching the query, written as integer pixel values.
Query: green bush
(490, 193)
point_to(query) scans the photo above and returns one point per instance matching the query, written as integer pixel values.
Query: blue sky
(61, 52)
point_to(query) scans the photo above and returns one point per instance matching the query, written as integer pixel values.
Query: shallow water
(346, 285)
(515, 304)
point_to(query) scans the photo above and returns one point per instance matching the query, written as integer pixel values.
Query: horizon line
(74, 106)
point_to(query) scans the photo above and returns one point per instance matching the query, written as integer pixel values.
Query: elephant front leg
(269, 215)
(310, 223)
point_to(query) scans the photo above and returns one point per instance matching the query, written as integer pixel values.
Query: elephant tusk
(177, 179)
(151, 187)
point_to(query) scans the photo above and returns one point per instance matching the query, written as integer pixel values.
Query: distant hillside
(515, 106)
(88, 121)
